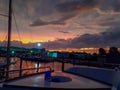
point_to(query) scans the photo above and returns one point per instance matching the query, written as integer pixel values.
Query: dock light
(39, 47)
(39, 44)
(13, 52)
(31, 51)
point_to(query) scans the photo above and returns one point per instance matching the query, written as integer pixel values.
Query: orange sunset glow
(62, 24)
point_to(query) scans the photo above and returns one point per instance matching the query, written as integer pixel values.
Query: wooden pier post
(62, 65)
(20, 73)
(37, 67)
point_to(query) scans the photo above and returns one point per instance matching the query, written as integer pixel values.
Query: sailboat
(74, 78)
(7, 63)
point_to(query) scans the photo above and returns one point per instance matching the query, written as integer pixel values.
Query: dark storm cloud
(39, 22)
(61, 21)
(116, 5)
(42, 23)
(109, 38)
(112, 35)
(34, 8)
(72, 8)
(64, 32)
(107, 5)
(87, 39)
(68, 10)
(112, 23)
(59, 43)
(75, 6)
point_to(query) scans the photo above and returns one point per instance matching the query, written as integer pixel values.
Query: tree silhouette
(102, 52)
(113, 51)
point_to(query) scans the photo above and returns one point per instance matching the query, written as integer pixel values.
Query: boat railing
(13, 74)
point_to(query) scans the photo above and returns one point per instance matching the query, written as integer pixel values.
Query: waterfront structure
(64, 79)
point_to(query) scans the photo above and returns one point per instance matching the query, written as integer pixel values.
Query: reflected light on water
(37, 65)
(12, 66)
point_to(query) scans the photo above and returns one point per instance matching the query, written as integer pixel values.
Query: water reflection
(37, 65)
(28, 64)
(12, 65)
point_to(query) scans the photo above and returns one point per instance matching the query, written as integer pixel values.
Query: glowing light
(13, 52)
(31, 51)
(39, 44)
(37, 66)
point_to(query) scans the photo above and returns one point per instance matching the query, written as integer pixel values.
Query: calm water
(28, 64)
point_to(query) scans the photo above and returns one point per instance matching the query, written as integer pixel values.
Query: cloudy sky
(63, 23)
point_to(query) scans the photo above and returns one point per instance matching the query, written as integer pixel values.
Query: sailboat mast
(9, 36)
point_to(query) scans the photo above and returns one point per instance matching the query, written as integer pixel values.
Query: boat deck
(67, 81)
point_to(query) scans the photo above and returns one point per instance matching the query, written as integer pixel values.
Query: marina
(67, 78)
(57, 60)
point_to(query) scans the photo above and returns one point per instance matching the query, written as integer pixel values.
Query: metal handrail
(20, 71)
(26, 69)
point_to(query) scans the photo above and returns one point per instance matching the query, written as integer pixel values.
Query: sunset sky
(63, 23)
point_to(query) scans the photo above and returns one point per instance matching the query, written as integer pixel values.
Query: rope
(17, 27)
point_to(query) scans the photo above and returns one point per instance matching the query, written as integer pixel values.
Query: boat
(5, 65)
(74, 78)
